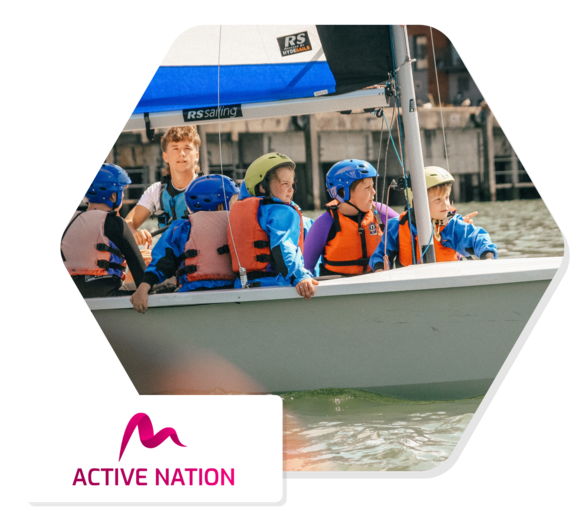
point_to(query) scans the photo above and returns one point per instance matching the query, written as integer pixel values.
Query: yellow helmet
(259, 169)
(434, 176)
(437, 176)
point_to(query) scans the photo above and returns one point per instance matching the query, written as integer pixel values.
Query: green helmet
(437, 176)
(434, 176)
(259, 169)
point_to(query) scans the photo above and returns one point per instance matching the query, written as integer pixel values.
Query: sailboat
(428, 331)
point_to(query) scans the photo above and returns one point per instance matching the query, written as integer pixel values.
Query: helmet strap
(437, 229)
(113, 204)
(265, 185)
(349, 203)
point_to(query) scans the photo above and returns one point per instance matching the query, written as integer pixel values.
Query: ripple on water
(372, 432)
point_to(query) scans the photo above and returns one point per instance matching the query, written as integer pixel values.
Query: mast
(412, 136)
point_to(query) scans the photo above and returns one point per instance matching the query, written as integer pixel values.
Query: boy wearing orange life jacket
(452, 234)
(348, 233)
(266, 231)
(195, 248)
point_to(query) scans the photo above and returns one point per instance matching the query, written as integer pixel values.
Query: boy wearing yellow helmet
(452, 235)
(266, 231)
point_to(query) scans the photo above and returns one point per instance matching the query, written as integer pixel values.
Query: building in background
(480, 157)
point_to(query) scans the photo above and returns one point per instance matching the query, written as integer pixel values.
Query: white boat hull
(437, 331)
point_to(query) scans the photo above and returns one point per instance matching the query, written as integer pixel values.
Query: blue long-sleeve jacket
(166, 259)
(282, 225)
(244, 193)
(464, 238)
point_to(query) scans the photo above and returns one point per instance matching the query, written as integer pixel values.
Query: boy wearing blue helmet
(348, 233)
(194, 249)
(97, 244)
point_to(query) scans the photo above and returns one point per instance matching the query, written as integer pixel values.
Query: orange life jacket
(350, 250)
(86, 250)
(251, 242)
(206, 253)
(442, 253)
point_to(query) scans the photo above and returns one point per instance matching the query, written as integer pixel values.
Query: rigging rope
(242, 271)
(439, 99)
(379, 153)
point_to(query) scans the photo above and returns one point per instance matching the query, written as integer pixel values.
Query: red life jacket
(249, 241)
(442, 253)
(206, 253)
(86, 250)
(350, 250)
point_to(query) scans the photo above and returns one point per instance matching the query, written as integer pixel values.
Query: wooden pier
(479, 155)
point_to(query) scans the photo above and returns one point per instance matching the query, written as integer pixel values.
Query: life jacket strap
(190, 253)
(335, 215)
(342, 263)
(364, 257)
(186, 270)
(103, 264)
(223, 250)
(261, 244)
(107, 248)
(254, 275)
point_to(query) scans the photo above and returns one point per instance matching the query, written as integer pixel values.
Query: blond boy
(453, 236)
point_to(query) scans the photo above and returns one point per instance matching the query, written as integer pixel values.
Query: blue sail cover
(266, 63)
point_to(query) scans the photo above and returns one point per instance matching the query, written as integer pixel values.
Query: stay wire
(221, 154)
(439, 99)
(384, 120)
(379, 154)
(428, 245)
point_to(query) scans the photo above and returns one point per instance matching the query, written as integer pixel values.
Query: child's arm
(467, 239)
(385, 212)
(377, 258)
(316, 239)
(468, 217)
(283, 225)
(146, 206)
(166, 253)
(164, 263)
(117, 230)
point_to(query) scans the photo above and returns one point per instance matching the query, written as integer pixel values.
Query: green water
(350, 430)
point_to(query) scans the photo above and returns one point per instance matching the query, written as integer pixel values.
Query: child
(97, 242)
(307, 222)
(348, 233)
(267, 234)
(195, 248)
(452, 235)
(179, 147)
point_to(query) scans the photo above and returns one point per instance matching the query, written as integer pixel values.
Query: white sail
(252, 72)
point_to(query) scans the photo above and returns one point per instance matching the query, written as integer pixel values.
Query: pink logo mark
(146, 435)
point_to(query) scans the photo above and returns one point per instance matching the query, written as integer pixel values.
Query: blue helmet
(206, 192)
(110, 178)
(344, 173)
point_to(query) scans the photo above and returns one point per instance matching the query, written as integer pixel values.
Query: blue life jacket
(172, 202)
